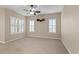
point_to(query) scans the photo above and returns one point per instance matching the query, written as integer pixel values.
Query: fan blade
(37, 11)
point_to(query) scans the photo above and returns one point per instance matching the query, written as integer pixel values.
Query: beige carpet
(34, 46)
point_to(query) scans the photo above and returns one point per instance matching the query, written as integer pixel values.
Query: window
(52, 25)
(17, 25)
(31, 26)
(21, 25)
(13, 25)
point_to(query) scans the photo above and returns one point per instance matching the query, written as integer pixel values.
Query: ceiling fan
(32, 10)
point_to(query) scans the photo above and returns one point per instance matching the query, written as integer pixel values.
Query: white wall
(8, 35)
(5, 34)
(70, 28)
(41, 28)
(2, 25)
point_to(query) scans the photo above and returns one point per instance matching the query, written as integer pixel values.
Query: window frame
(21, 25)
(17, 25)
(31, 26)
(53, 18)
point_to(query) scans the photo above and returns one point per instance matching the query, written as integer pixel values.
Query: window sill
(16, 33)
(52, 32)
(31, 32)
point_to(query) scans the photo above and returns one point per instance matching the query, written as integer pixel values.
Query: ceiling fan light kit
(32, 10)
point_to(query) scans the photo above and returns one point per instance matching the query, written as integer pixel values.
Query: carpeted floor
(33, 46)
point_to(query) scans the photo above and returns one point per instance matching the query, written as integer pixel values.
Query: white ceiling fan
(32, 10)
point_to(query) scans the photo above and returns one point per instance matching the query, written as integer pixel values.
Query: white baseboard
(2, 42)
(66, 47)
(10, 40)
(13, 40)
(44, 37)
(28, 36)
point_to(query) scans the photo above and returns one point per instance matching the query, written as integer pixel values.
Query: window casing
(21, 25)
(52, 25)
(17, 25)
(31, 25)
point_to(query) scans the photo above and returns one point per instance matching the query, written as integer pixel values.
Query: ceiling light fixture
(32, 10)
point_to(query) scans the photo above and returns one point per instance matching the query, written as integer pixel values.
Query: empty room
(39, 29)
